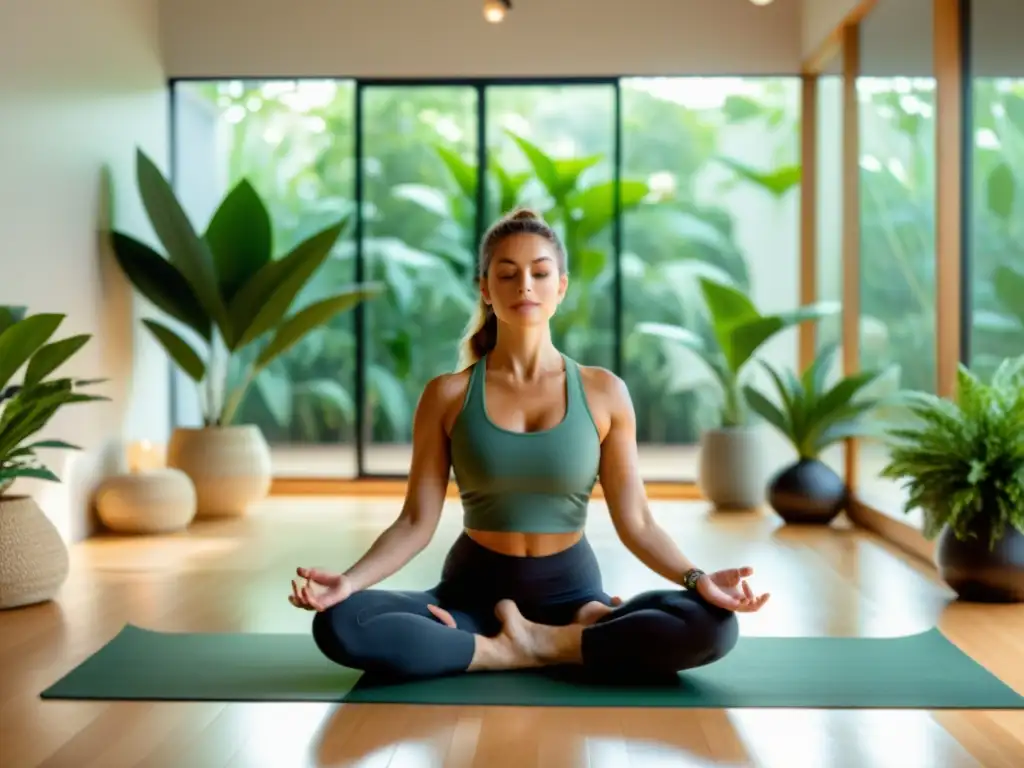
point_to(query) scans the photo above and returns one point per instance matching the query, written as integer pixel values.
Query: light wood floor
(234, 575)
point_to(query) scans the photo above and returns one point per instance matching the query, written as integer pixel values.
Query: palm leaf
(684, 337)
(185, 249)
(292, 330)
(16, 471)
(51, 356)
(20, 341)
(186, 358)
(240, 238)
(11, 315)
(768, 411)
(266, 297)
(160, 283)
(813, 417)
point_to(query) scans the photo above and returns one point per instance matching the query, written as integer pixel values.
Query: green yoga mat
(923, 671)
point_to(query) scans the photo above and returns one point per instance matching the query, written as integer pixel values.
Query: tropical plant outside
(697, 200)
(549, 148)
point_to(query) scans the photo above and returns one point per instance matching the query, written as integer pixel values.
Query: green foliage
(963, 460)
(294, 141)
(1009, 290)
(998, 254)
(738, 330)
(26, 408)
(777, 182)
(226, 288)
(811, 414)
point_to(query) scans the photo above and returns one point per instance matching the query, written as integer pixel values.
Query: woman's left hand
(729, 589)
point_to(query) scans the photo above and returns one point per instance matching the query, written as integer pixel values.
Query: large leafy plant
(27, 407)
(963, 460)
(811, 414)
(226, 288)
(737, 331)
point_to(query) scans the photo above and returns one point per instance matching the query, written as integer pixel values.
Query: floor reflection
(407, 736)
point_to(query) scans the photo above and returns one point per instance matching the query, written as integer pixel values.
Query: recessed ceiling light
(495, 10)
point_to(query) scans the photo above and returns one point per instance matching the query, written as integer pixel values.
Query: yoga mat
(922, 671)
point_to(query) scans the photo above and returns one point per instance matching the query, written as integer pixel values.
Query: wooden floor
(234, 575)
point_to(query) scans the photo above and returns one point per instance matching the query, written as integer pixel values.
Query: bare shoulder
(607, 397)
(601, 384)
(443, 396)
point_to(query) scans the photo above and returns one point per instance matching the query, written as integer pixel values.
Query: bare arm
(624, 490)
(428, 483)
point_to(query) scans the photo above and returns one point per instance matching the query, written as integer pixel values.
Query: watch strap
(691, 577)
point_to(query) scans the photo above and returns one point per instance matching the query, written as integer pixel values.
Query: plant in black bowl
(962, 462)
(813, 415)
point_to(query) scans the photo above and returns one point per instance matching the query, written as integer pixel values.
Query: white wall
(449, 38)
(81, 85)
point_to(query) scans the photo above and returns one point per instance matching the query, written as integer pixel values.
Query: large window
(651, 182)
(996, 223)
(714, 160)
(560, 140)
(829, 224)
(294, 141)
(419, 147)
(896, 94)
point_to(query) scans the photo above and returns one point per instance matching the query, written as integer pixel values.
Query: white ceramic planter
(731, 468)
(229, 467)
(155, 501)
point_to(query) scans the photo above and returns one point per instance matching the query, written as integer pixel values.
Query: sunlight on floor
(154, 553)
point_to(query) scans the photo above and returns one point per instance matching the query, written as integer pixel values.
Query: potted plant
(812, 416)
(730, 473)
(33, 557)
(962, 461)
(235, 305)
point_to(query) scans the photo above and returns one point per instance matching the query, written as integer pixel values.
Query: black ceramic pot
(808, 491)
(978, 574)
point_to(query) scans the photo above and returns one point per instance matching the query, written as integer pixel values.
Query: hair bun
(524, 214)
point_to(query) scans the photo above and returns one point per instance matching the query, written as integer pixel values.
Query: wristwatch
(691, 577)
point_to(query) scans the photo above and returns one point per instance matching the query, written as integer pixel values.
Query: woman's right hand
(322, 589)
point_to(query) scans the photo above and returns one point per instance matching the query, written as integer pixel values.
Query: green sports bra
(528, 482)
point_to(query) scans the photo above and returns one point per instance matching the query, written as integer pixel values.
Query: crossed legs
(399, 634)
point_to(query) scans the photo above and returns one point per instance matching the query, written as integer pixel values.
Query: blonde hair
(482, 330)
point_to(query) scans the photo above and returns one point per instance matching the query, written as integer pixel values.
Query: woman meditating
(528, 432)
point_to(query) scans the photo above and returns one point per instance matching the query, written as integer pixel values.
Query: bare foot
(523, 643)
(593, 611)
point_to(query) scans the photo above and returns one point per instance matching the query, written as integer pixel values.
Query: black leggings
(392, 633)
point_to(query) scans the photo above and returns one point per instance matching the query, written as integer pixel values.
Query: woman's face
(523, 284)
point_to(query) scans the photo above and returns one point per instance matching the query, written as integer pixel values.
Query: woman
(527, 432)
